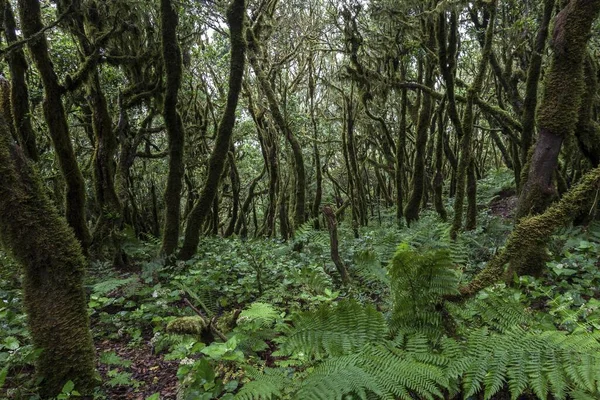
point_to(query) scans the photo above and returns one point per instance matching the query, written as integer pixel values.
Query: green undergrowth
(265, 319)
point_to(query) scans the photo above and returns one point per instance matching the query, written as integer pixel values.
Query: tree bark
(171, 54)
(411, 211)
(333, 241)
(216, 162)
(19, 96)
(54, 114)
(53, 269)
(467, 127)
(283, 126)
(533, 77)
(558, 112)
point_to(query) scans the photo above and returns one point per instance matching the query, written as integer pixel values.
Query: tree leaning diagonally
(235, 20)
(53, 269)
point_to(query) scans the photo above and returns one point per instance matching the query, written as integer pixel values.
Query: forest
(300, 199)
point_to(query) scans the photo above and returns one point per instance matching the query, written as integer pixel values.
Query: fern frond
(262, 314)
(382, 370)
(419, 282)
(334, 331)
(266, 385)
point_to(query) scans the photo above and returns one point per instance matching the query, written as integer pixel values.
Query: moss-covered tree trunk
(438, 178)
(399, 171)
(242, 220)
(334, 244)
(235, 19)
(110, 219)
(315, 128)
(54, 114)
(465, 156)
(533, 77)
(587, 130)
(106, 237)
(282, 125)
(558, 112)
(173, 68)
(53, 268)
(413, 206)
(19, 94)
(234, 177)
(525, 250)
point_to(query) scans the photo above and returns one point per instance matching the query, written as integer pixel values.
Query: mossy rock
(187, 326)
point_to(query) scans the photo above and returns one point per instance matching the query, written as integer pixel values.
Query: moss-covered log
(558, 112)
(525, 249)
(235, 19)
(53, 269)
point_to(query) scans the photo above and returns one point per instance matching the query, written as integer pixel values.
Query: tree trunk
(171, 54)
(438, 179)
(234, 176)
(531, 87)
(282, 125)
(465, 157)
(558, 112)
(216, 162)
(333, 241)
(54, 114)
(53, 270)
(411, 212)
(19, 95)
(400, 148)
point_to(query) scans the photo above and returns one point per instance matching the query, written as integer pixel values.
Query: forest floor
(150, 372)
(242, 284)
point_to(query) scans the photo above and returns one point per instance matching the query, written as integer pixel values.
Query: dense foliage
(263, 199)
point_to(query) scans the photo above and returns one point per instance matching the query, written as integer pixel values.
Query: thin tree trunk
(533, 77)
(467, 127)
(299, 170)
(171, 54)
(216, 162)
(54, 114)
(334, 244)
(234, 176)
(19, 95)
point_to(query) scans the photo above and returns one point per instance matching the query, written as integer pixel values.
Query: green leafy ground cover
(269, 321)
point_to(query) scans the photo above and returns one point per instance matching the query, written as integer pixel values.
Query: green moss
(53, 269)
(187, 325)
(564, 85)
(525, 251)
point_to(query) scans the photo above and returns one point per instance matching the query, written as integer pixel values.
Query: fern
(419, 281)
(308, 234)
(547, 363)
(104, 288)
(265, 385)
(259, 314)
(379, 369)
(333, 331)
